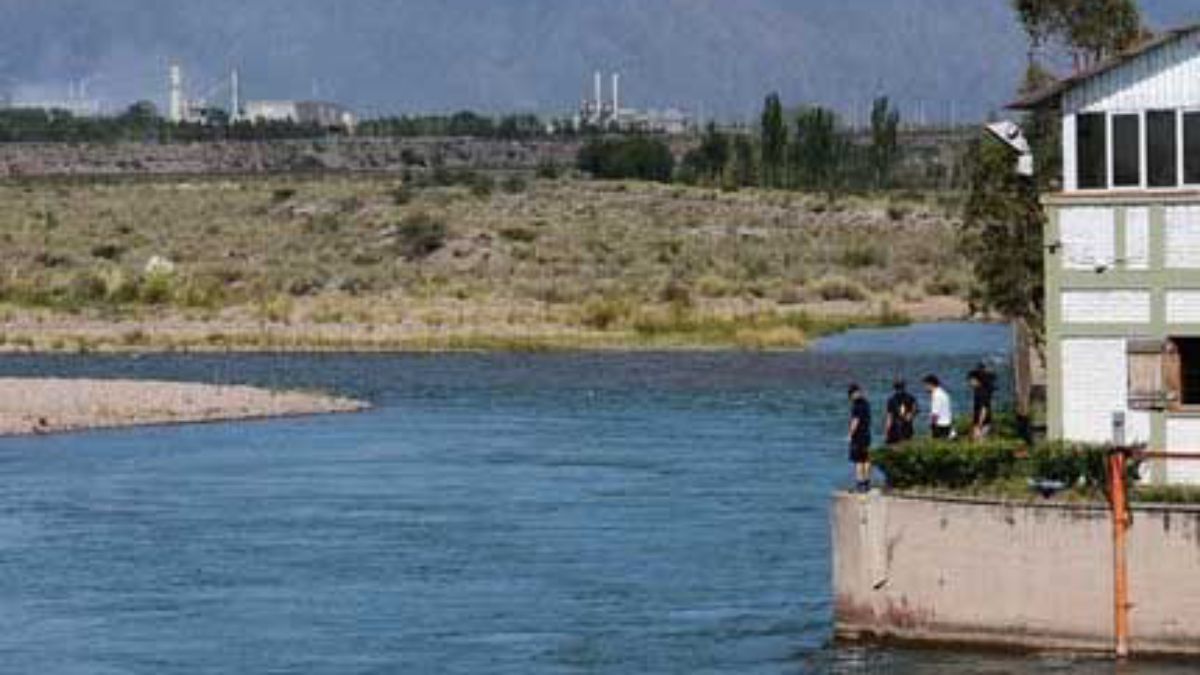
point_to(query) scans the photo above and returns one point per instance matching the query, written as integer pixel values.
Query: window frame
(1183, 113)
(1105, 160)
(1140, 149)
(1179, 163)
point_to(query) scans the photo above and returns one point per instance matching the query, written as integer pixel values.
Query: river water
(525, 514)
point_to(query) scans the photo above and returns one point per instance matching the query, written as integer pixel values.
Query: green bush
(941, 464)
(421, 235)
(634, 157)
(515, 184)
(958, 465)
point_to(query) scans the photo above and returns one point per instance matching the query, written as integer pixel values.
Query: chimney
(616, 86)
(175, 110)
(599, 85)
(235, 96)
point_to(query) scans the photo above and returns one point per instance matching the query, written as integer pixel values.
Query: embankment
(387, 156)
(1024, 576)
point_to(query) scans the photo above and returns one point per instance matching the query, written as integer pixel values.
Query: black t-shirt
(861, 410)
(903, 409)
(983, 400)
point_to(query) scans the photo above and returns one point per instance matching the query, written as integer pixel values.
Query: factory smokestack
(175, 110)
(235, 96)
(616, 86)
(599, 86)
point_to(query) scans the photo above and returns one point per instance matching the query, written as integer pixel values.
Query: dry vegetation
(364, 263)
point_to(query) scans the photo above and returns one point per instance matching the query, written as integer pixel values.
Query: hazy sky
(947, 57)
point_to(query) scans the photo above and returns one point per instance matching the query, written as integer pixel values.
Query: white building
(1123, 252)
(317, 113)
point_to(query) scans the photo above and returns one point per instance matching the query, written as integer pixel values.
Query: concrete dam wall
(1035, 576)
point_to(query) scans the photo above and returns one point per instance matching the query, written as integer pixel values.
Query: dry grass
(268, 263)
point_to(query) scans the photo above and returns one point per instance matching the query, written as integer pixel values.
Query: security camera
(1010, 134)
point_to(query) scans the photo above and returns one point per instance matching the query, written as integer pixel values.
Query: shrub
(936, 464)
(548, 170)
(482, 186)
(108, 251)
(957, 465)
(636, 157)
(515, 184)
(897, 213)
(521, 235)
(283, 194)
(420, 236)
(603, 314)
(157, 288)
(840, 288)
(859, 255)
(403, 195)
(677, 292)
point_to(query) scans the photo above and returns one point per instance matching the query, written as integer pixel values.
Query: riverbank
(50, 406)
(460, 261)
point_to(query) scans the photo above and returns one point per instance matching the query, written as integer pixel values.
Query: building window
(1162, 148)
(1187, 375)
(1164, 375)
(1191, 148)
(1091, 148)
(1127, 150)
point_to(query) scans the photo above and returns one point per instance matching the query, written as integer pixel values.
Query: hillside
(365, 263)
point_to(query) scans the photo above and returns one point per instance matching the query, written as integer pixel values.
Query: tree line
(141, 123)
(806, 149)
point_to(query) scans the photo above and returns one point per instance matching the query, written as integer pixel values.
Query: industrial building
(1122, 253)
(599, 113)
(315, 113)
(181, 109)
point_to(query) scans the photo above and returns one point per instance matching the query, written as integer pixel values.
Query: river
(525, 514)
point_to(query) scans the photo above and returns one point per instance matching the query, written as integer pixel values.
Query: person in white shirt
(941, 410)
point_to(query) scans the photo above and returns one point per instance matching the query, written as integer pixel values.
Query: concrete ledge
(1020, 576)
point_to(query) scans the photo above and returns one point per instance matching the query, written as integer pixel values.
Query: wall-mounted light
(1010, 134)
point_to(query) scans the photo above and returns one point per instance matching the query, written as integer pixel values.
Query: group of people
(900, 423)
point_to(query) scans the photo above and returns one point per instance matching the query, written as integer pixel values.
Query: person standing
(901, 414)
(860, 437)
(982, 387)
(941, 410)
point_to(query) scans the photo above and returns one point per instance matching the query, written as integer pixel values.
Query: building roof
(1055, 91)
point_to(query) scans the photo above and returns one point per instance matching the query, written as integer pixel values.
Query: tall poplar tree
(774, 142)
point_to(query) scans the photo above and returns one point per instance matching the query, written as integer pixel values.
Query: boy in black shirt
(901, 413)
(982, 385)
(860, 437)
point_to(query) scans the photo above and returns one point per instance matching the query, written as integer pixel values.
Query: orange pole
(1120, 516)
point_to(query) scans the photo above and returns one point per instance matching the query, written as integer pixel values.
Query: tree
(774, 142)
(707, 162)
(745, 170)
(1003, 224)
(818, 150)
(1089, 30)
(636, 157)
(885, 143)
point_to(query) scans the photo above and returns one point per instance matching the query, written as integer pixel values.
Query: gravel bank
(44, 406)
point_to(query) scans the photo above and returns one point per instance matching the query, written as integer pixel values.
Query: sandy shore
(43, 406)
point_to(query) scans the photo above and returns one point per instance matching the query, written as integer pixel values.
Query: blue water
(614, 513)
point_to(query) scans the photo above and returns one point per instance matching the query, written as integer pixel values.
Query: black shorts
(860, 452)
(942, 432)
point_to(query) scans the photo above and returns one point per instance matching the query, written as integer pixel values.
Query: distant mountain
(945, 58)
